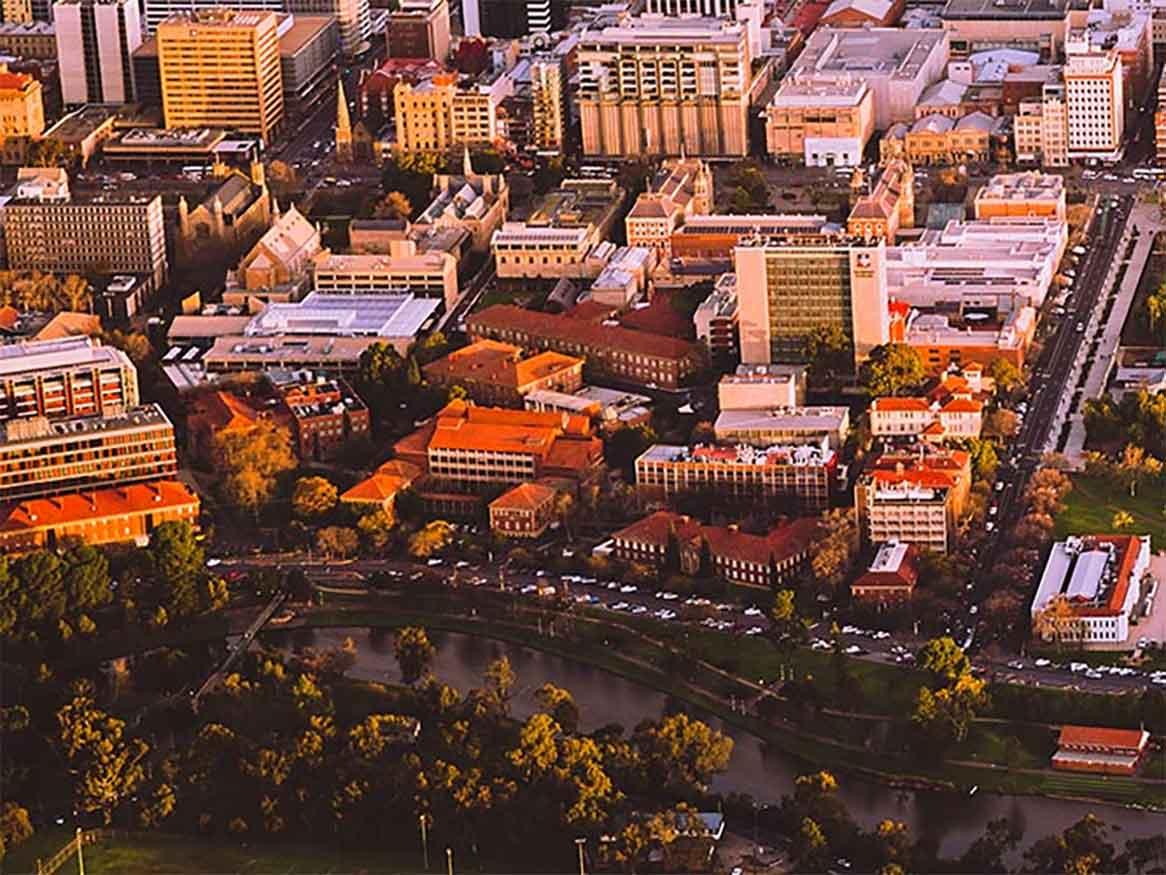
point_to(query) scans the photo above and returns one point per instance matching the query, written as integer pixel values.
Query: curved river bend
(952, 820)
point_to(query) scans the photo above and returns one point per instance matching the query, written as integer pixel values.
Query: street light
(580, 843)
(424, 838)
(449, 861)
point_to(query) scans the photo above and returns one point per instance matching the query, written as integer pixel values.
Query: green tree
(430, 348)
(681, 754)
(86, 578)
(393, 205)
(560, 705)
(107, 765)
(313, 497)
(828, 350)
(810, 848)
(1156, 313)
(1007, 376)
(414, 653)
(179, 565)
(42, 593)
(434, 537)
(944, 659)
(1082, 849)
(788, 629)
(250, 462)
(834, 548)
(376, 529)
(15, 826)
(625, 445)
(892, 369)
(985, 462)
(946, 714)
(337, 542)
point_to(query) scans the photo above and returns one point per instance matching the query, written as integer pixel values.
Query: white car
(639, 609)
(754, 630)
(620, 606)
(819, 644)
(628, 589)
(669, 596)
(752, 611)
(1042, 663)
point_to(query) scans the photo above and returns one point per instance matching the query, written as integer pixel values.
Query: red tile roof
(39, 513)
(724, 542)
(524, 496)
(1101, 736)
(900, 405)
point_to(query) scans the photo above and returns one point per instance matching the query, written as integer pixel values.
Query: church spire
(343, 125)
(467, 164)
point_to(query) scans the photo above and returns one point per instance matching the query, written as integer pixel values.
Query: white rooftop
(345, 316)
(46, 356)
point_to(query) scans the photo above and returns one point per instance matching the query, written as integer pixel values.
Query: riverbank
(707, 687)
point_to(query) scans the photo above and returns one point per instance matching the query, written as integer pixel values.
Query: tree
(414, 653)
(1146, 852)
(178, 563)
(107, 765)
(788, 629)
(337, 542)
(41, 595)
(432, 347)
(1136, 466)
(249, 463)
(376, 528)
(947, 713)
(281, 172)
(833, 550)
(499, 678)
(989, 852)
(1123, 519)
(1001, 423)
(1056, 621)
(985, 462)
(1081, 849)
(625, 445)
(560, 705)
(1006, 375)
(313, 497)
(86, 578)
(681, 754)
(892, 369)
(828, 350)
(945, 660)
(810, 848)
(1156, 313)
(15, 826)
(393, 205)
(134, 344)
(432, 539)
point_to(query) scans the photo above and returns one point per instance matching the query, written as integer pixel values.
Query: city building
(767, 427)
(1160, 120)
(1102, 581)
(120, 514)
(22, 115)
(926, 419)
(34, 40)
(716, 320)
(309, 47)
(624, 278)
(940, 139)
(221, 68)
(862, 13)
(513, 19)
(283, 256)
(477, 202)
(914, 497)
(1124, 31)
(1031, 25)
(788, 287)
(95, 39)
(1100, 750)
(494, 373)
(609, 351)
(1095, 105)
(419, 29)
(108, 234)
(891, 577)
(610, 409)
(660, 86)
(235, 211)
(39, 457)
(474, 448)
(380, 490)
(447, 110)
(770, 560)
(715, 236)
(896, 65)
(944, 339)
(548, 102)
(74, 376)
(425, 274)
(761, 387)
(325, 414)
(1022, 194)
(353, 17)
(524, 511)
(802, 473)
(820, 122)
(1041, 128)
(681, 188)
(878, 214)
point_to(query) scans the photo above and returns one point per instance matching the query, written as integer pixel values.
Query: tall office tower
(1094, 105)
(471, 18)
(353, 16)
(95, 39)
(789, 285)
(546, 86)
(656, 86)
(16, 11)
(220, 68)
(513, 19)
(419, 29)
(157, 11)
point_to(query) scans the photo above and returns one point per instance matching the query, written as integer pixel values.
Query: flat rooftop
(795, 455)
(825, 419)
(955, 10)
(46, 356)
(867, 51)
(663, 30)
(345, 316)
(38, 430)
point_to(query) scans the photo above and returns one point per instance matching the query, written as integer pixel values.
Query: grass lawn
(1090, 506)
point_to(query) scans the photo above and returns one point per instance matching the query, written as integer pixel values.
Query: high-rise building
(513, 19)
(1041, 128)
(1095, 105)
(353, 16)
(47, 230)
(95, 41)
(22, 114)
(653, 86)
(1160, 120)
(788, 286)
(442, 112)
(221, 68)
(419, 29)
(17, 11)
(74, 376)
(546, 86)
(158, 11)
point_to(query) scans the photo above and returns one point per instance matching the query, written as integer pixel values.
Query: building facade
(494, 373)
(95, 41)
(22, 115)
(526, 511)
(1095, 105)
(74, 376)
(914, 498)
(419, 29)
(820, 123)
(425, 275)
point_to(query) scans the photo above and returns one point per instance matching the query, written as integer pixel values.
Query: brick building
(915, 497)
(325, 413)
(891, 576)
(498, 373)
(526, 511)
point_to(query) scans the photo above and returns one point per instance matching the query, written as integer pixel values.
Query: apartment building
(787, 287)
(221, 68)
(446, 110)
(46, 229)
(822, 123)
(1124, 31)
(474, 448)
(802, 473)
(1022, 194)
(1095, 105)
(681, 188)
(913, 497)
(525, 511)
(419, 29)
(22, 114)
(425, 275)
(115, 515)
(717, 320)
(770, 560)
(1041, 128)
(495, 373)
(612, 352)
(660, 86)
(95, 41)
(74, 376)
(549, 102)
(39, 457)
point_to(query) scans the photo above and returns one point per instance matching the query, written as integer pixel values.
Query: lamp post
(580, 843)
(449, 861)
(423, 820)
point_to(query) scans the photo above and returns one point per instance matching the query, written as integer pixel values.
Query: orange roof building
(526, 511)
(1100, 749)
(381, 489)
(492, 372)
(891, 576)
(747, 559)
(914, 496)
(121, 514)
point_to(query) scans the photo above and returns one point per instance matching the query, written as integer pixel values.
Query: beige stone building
(445, 111)
(1041, 128)
(653, 86)
(22, 114)
(682, 188)
(1095, 105)
(822, 123)
(424, 274)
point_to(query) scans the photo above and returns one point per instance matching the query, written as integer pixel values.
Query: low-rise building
(767, 427)
(610, 409)
(943, 340)
(762, 387)
(913, 497)
(891, 577)
(524, 511)
(404, 271)
(22, 115)
(379, 491)
(74, 376)
(887, 207)
(820, 122)
(1098, 581)
(477, 202)
(863, 13)
(716, 319)
(609, 351)
(325, 413)
(949, 416)
(114, 515)
(495, 373)
(681, 188)
(283, 256)
(803, 473)
(1100, 750)
(1022, 194)
(939, 139)
(769, 560)
(35, 40)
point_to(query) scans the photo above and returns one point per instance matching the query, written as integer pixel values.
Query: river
(952, 820)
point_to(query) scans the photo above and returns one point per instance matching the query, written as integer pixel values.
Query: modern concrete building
(404, 271)
(1095, 105)
(768, 427)
(95, 40)
(1022, 194)
(760, 387)
(661, 86)
(1031, 25)
(419, 29)
(309, 46)
(221, 68)
(35, 40)
(352, 16)
(549, 102)
(75, 376)
(787, 287)
(1041, 128)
